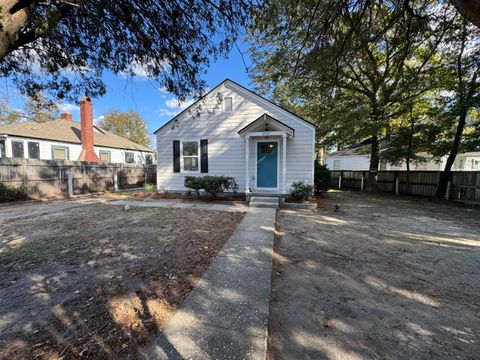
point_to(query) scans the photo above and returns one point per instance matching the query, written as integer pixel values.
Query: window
(190, 155)
(129, 157)
(104, 155)
(59, 152)
(33, 150)
(148, 159)
(2, 149)
(17, 149)
(227, 104)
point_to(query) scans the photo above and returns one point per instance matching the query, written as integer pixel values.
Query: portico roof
(266, 124)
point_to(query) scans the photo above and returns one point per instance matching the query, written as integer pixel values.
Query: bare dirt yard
(383, 278)
(84, 279)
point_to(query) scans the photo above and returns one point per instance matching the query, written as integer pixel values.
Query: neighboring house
(357, 157)
(232, 131)
(65, 139)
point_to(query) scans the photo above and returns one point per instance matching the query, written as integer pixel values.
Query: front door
(267, 161)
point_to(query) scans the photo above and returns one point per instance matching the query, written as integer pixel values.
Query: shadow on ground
(91, 280)
(383, 278)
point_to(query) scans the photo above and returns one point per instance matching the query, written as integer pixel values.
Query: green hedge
(12, 193)
(211, 184)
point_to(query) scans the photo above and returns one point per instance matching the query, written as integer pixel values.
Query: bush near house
(211, 184)
(12, 193)
(300, 190)
(322, 177)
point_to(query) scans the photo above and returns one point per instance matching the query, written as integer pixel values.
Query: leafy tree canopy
(128, 124)
(64, 46)
(36, 109)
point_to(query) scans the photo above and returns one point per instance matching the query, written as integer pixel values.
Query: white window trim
(181, 157)
(125, 157)
(27, 151)
(277, 188)
(225, 103)
(100, 151)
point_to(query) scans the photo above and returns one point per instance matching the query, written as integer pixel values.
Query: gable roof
(69, 131)
(266, 119)
(241, 87)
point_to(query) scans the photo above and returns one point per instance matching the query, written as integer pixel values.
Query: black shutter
(176, 156)
(204, 156)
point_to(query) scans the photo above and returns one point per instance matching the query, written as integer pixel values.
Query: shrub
(194, 183)
(322, 177)
(215, 184)
(211, 184)
(148, 187)
(300, 190)
(12, 193)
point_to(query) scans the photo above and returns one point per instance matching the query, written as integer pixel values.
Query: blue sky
(157, 107)
(143, 94)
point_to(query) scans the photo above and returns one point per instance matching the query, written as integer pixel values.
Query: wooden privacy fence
(463, 185)
(50, 177)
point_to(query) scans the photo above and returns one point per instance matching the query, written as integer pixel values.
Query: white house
(232, 131)
(65, 139)
(357, 157)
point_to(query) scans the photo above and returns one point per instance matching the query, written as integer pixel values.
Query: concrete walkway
(226, 314)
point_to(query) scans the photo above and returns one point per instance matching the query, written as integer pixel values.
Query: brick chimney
(86, 122)
(66, 116)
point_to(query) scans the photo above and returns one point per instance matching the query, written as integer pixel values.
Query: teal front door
(267, 160)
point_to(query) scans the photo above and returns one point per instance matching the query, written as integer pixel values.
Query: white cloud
(165, 112)
(98, 119)
(66, 107)
(174, 104)
(163, 90)
(173, 107)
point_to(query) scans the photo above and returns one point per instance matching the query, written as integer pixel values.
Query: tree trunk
(470, 10)
(410, 147)
(14, 14)
(445, 176)
(374, 160)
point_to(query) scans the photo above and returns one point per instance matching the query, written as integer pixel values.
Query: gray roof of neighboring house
(69, 131)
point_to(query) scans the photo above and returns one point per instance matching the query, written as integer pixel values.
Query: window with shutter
(204, 155)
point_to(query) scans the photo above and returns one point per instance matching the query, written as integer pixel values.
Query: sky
(156, 106)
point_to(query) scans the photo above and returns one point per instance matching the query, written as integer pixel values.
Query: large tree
(461, 96)
(128, 124)
(362, 59)
(64, 46)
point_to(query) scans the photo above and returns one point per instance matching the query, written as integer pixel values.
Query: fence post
(70, 182)
(115, 179)
(397, 184)
(84, 178)
(24, 175)
(362, 184)
(340, 180)
(448, 194)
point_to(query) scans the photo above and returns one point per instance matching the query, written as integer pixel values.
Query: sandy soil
(82, 279)
(383, 278)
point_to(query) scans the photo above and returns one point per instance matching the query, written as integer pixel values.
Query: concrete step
(264, 202)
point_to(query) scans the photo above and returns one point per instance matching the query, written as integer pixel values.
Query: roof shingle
(69, 131)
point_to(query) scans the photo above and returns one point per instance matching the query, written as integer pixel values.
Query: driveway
(383, 278)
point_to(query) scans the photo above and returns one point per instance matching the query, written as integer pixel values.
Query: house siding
(226, 148)
(116, 155)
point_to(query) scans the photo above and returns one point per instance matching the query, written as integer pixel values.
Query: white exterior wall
(351, 162)
(226, 148)
(463, 162)
(116, 155)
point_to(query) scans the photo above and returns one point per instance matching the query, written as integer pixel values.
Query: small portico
(266, 140)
